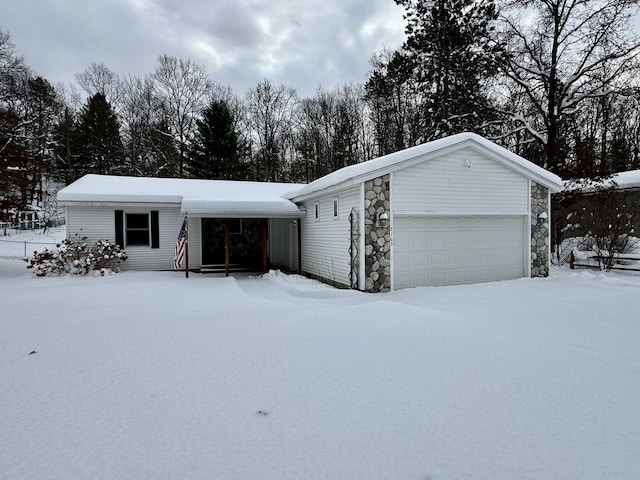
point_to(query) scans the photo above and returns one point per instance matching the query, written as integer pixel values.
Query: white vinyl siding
(455, 250)
(99, 223)
(445, 186)
(325, 242)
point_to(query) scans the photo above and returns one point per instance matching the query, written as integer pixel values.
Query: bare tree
(562, 53)
(182, 88)
(98, 78)
(149, 146)
(270, 112)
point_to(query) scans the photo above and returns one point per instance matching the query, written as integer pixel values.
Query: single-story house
(456, 210)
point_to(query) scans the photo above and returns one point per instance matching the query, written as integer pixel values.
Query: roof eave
(493, 152)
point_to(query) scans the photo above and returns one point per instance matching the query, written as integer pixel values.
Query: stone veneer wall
(539, 231)
(377, 235)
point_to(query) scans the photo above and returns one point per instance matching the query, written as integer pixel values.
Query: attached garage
(454, 250)
(453, 211)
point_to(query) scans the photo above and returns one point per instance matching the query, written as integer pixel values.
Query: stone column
(377, 234)
(540, 233)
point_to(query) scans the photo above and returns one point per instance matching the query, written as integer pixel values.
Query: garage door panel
(438, 278)
(420, 261)
(455, 250)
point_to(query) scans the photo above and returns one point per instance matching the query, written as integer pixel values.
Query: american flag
(180, 245)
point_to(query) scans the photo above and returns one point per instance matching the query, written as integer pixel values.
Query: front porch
(249, 244)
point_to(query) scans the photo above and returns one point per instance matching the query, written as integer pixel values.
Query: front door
(245, 242)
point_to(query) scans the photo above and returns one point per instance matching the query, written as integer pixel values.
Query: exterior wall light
(382, 220)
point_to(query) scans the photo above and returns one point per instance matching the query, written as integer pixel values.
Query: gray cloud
(239, 42)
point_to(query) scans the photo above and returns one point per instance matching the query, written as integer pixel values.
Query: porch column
(226, 249)
(265, 257)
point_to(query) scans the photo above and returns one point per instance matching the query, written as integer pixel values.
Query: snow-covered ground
(154, 376)
(18, 244)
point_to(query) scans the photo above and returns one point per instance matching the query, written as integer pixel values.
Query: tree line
(553, 80)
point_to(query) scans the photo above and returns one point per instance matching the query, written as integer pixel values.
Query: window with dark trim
(335, 208)
(316, 209)
(136, 229)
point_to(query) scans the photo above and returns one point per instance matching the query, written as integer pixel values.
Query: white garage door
(455, 250)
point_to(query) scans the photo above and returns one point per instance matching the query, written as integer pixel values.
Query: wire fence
(22, 248)
(18, 241)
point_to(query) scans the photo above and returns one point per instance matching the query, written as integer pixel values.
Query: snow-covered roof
(354, 174)
(195, 197)
(260, 199)
(629, 179)
(621, 181)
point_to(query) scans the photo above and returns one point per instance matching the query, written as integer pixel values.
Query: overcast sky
(300, 43)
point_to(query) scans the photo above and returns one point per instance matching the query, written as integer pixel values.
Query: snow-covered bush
(77, 257)
(603, 217)
(107, 255)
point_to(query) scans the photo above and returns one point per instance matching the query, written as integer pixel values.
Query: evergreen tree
(66, 148)
(451, 46)
(393, 98)
(99, 134)
(41, 108)
(12, 166)
(215, 149)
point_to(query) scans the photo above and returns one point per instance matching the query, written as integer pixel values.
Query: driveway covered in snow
(151, 375)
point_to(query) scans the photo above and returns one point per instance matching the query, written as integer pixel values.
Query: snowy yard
(154, 376)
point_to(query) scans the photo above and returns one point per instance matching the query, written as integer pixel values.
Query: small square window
(234, 226)
(335, 208)
(137, 229)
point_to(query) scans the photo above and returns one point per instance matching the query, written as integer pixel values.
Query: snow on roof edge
(208, 196)
(373, 167)
(627, 180)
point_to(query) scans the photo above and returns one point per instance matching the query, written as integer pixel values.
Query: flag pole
(186, 247)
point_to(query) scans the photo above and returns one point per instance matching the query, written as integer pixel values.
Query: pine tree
(215, 150)
(393, 98)
(99, 133)
(452, 48)
(66, 148)
(42, 107)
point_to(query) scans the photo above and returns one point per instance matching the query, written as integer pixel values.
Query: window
(335, 208)
(234, 226)
(137, 229)
(316, 211)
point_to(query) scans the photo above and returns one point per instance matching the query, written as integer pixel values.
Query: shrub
(603, 216)
(77, 257)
